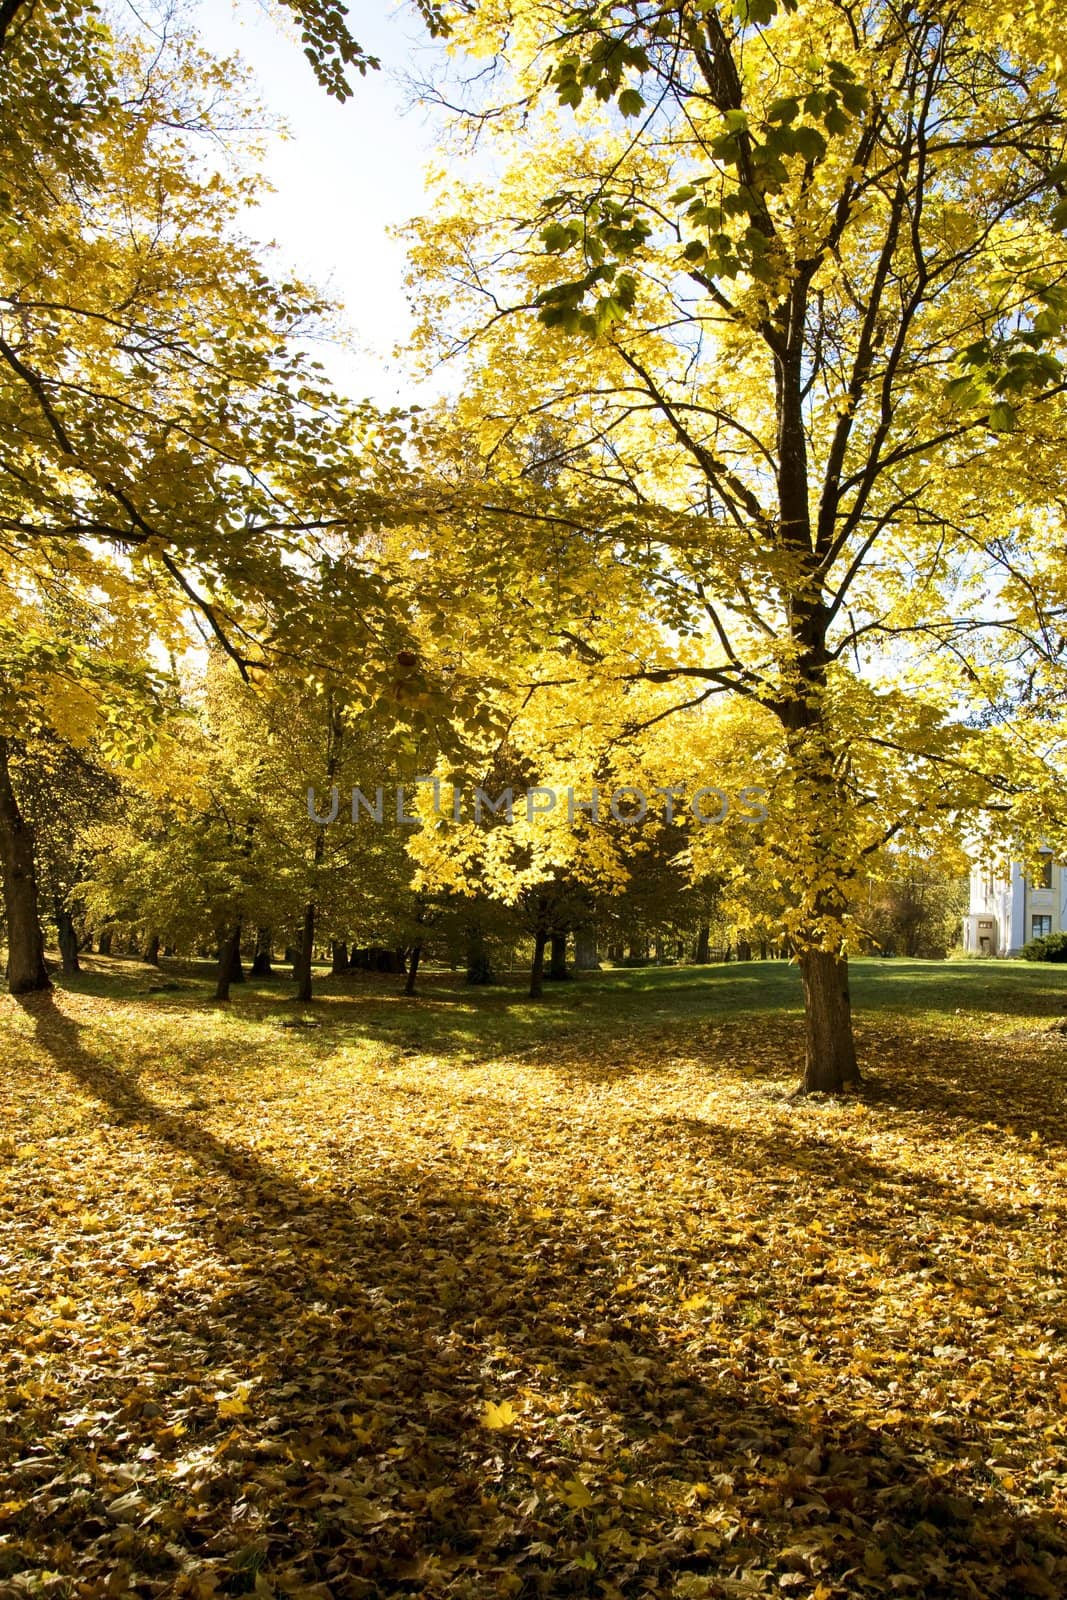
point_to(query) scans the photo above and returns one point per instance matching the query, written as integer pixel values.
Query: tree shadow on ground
(1020, 1087)
(871, 1196)
(375, 1316)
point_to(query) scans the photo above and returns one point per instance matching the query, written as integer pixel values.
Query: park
(533, 712)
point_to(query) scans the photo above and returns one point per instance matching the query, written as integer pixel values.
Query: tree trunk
(237, 971)
(103, 944)
(151, 950)
(479, 965)
(537, 970)
(703, 949)
(26, 970)
(830, 1057)
(302, 964)
(338, 958)
(586, 958)
(68, 940)
(744, 950)
(229, 952)
(413, 967)
(261, 967)
(557, 962)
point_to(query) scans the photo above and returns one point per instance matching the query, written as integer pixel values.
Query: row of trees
(214, 844)
(753, 480)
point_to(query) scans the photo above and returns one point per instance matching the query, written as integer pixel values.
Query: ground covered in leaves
(455, 1298)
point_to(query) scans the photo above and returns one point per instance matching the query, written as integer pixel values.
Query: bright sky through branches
(344, 177)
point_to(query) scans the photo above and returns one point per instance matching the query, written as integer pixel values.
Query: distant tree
(915, 905)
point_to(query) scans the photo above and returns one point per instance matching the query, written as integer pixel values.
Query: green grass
(448, 1014)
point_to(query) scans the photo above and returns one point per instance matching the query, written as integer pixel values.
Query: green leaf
(809, 143)
(755, 13)
(1003, 418)
(559, 236)
(786, 108)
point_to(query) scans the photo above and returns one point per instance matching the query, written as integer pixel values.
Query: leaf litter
(311, 1317)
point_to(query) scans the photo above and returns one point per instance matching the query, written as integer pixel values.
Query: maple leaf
(498, 1414)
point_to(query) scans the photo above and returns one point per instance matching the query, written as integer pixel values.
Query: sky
(346, 174)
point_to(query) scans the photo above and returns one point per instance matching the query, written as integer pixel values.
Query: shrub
(1053, 947)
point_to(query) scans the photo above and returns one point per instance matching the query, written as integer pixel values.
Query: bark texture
(26, 970)
(68, 940)
(537, 969)
(557, 962)
(302, 964)
(229, 952)
(261, 967)
(586, 957)
(413, 969)
(830, 1051)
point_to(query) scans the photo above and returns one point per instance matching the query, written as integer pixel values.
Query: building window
(1040, 927)
(1044, 876)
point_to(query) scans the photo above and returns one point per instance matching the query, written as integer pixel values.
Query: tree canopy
(786, 285)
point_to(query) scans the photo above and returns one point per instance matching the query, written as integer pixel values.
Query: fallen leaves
(359, 1327)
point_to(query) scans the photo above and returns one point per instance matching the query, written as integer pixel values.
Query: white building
(1008, 909)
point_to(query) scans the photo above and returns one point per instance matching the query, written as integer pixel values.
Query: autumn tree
(913, 904)
(240, 819)
(786, 286)
(166, 446)
(65, 789)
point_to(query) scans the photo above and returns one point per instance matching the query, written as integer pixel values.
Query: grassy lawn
(463, 1296)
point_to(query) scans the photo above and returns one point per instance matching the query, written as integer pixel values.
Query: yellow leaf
(576, 1495)
(236, 1404)
(498, 1415)
(873, 1561)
